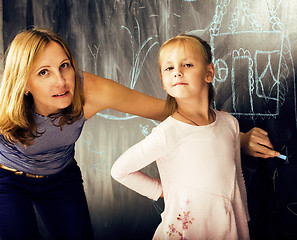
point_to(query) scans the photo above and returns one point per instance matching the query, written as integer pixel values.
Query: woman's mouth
(61, 94)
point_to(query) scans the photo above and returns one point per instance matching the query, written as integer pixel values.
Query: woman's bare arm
(101, 93)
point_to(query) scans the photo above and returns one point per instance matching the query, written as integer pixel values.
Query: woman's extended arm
(101, 93)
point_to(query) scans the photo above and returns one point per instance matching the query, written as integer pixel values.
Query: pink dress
(200, 177)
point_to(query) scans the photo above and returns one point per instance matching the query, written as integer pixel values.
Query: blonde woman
(45, 101)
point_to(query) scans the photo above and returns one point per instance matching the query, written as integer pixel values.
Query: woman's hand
(257, 144)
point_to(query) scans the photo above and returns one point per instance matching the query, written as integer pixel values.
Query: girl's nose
(178, 73)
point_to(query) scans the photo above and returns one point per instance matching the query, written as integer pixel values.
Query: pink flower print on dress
(184, 217)
(172, 230)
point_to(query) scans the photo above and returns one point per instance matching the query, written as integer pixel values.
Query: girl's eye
(188, 65)
(64, 65)
(168, 68)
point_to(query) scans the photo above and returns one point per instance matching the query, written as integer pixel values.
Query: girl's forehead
(183, 46)
(186, 48)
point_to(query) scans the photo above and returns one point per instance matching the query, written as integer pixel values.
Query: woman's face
(51, 80)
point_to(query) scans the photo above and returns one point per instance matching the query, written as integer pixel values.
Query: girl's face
(51, 80)
(184, 73)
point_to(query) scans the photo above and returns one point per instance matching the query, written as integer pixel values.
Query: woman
(43, 107)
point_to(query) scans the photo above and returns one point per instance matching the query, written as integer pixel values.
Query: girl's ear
(210, 73)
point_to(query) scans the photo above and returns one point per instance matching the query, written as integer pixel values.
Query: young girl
(197, 150)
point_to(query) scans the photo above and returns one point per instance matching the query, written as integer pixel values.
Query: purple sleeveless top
(49, 153)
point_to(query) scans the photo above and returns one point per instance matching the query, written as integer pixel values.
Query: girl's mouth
(180, 83)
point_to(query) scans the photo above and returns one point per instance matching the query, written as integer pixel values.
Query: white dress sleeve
(126, 169)
(240, 178)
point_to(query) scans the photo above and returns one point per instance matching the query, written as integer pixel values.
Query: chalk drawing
(137, 64)
(292, 207)
(263, 85)
(137, 48)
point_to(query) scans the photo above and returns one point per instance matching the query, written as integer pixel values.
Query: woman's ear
(26, 91)
(210, 73)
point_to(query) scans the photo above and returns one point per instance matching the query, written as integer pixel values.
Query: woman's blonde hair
(196, 43)
(17, 109)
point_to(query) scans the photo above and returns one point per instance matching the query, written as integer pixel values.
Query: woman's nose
(59, 79)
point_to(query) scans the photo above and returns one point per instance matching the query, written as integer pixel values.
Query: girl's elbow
(117, 175)
(114, 174)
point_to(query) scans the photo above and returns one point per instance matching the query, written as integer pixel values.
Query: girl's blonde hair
(196, 43)
(17, 109)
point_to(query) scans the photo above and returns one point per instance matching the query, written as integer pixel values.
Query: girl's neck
(198, 116)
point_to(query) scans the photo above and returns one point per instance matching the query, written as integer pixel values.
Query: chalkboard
(253, 53)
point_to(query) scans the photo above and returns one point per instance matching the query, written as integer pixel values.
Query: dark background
(254, 51)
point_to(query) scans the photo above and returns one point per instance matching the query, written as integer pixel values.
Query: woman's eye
(64, 65)
(42, 72)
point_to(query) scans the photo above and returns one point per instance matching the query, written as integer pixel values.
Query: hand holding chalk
(284, 157)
